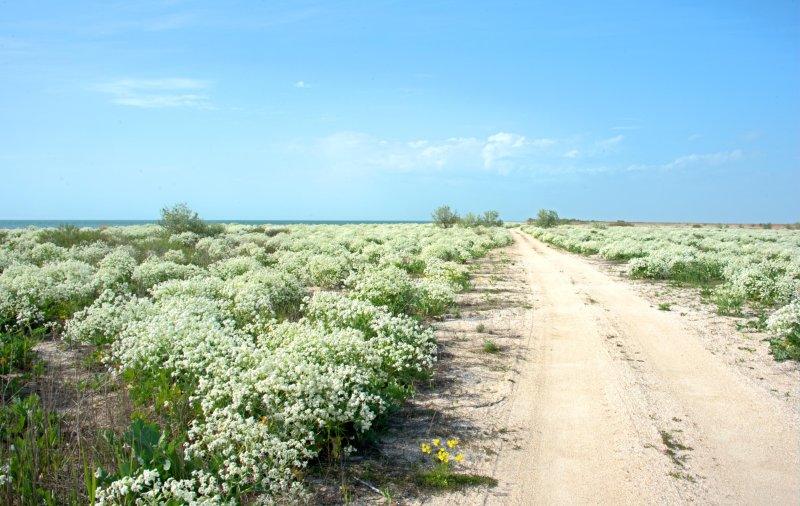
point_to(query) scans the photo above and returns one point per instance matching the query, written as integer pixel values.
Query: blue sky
(665, 111)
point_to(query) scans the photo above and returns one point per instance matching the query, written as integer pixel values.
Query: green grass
(490, 346)
(673, 448)
(437, 480)
(665, 306)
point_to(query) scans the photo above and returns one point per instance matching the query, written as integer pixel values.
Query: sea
(121, 223)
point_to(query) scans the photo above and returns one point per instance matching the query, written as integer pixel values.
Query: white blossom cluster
(786, 320)
(282, 337)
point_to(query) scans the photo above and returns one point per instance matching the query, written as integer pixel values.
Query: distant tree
(470, 220)
(546, 218)
(179, 218)
(491, 218)
(445, 217)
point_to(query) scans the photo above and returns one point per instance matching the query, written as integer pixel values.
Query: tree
(470, 220)
(445, 217)
(546, 218)
(491, 219)
(179, 218)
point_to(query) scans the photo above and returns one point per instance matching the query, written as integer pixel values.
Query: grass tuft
(490, 346)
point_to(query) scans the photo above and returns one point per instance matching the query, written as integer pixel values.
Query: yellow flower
(452, 442)
(459, 457)
(436, 442)
(263, 420)
(426, 448)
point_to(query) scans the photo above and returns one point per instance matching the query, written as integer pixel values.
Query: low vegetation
(225, 359)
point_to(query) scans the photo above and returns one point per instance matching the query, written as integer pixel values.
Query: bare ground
(596, 396)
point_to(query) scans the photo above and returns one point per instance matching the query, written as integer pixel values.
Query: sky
(385, 110)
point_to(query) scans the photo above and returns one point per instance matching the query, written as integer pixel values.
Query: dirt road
(617, 402)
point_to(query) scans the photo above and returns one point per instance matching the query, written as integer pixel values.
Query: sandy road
(619, 403)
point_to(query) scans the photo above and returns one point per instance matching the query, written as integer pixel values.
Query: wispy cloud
(609, 143)
(158, 93)
(302, 84)
(694, 160)
(501, 153)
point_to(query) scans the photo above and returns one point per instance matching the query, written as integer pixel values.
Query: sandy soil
(597, 396)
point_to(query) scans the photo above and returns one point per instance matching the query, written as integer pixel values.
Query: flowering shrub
(387, 286)
(32, 295)
(229, 341)
(115, 270)
(154, 271)
(105, 319)
(784, 325)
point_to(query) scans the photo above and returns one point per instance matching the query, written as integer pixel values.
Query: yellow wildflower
(426, 448)
(459, 457)
(436, 443)
(263, 420)
(452, 442)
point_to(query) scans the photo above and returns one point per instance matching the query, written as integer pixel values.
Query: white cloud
(301, 84)
(158, 93)
(502, 153)
(694, 160)
(500, 150)
(610, 143)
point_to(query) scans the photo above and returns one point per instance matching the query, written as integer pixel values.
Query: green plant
(490, 346)
(481, 328)
(445, 217)
(442, 476)
(67, 236)
(179, 218)
(665, 306)
(728, 302)
(29, 440)
(546, 218)
(16, 351)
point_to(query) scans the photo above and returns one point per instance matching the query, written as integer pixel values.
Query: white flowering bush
(252, 352)
(233, 267)
(114, 271)
(387, 286)
(262, 295)
(31, 295)
(91, 253)
(105, 319)
(154, 271)
(784, 326)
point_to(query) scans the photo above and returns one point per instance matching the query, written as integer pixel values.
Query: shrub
(179, 219)
(784, 326)
(67, 236)
(445, 217)
(546, 218)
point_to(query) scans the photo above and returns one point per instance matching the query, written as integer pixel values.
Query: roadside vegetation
(742, 271)
(212, 364)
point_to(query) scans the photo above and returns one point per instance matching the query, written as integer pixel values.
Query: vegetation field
(214, 364)
(741, 270)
